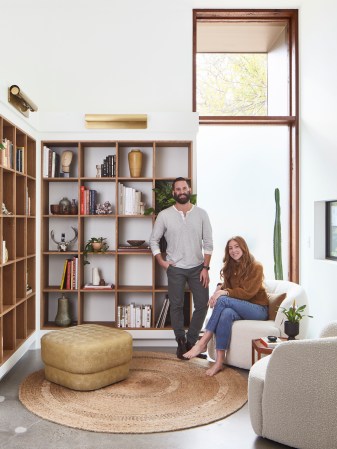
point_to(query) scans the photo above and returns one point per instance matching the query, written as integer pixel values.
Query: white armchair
(292, 393)
(244, 331)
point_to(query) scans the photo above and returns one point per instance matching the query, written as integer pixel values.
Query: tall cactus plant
(278, 269)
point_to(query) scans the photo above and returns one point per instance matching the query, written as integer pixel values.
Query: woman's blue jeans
(226, 311)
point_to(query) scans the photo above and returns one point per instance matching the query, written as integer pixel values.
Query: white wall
(132, 56)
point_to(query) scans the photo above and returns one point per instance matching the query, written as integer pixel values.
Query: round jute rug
(162, 393)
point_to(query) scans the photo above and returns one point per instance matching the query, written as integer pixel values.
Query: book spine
(82, 193)
(68, 275)
(63, 275)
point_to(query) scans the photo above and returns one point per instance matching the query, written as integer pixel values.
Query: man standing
(188, 234)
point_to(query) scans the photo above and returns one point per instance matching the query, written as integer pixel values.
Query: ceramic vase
(63, 314)
(291, 329)
(135, 158)
(95, 276)
(97, 246)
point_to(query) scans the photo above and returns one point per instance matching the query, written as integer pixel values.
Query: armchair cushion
(275, 300)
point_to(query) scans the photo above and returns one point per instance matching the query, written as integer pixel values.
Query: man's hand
(204, 278)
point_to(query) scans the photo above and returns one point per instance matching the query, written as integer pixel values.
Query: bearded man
(188, 233)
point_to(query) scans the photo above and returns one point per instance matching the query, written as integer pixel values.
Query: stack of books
(129, 200)
(108, 167)
(132, 315)
(270, 344)
(51, 163)
(69, 279)
(162, 317)
(98, 287)
(88, 200)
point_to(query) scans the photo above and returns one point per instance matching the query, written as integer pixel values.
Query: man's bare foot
(195, 351)
(216, 368)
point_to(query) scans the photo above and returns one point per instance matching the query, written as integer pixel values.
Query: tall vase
(95, 276)
(135, 158)
(291, 329)
(63, 314)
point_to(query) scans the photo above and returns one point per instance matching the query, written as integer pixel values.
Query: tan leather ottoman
(86, 357)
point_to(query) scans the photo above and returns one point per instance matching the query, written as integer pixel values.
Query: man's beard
(182, 198)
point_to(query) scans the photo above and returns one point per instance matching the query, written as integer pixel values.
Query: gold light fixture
(116, 121)
(20, 100)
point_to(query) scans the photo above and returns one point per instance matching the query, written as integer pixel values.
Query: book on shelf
(163, 313)
(69, 279)
(98, 287)
(270, 344)
(125, 247)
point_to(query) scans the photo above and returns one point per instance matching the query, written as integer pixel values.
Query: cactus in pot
(278, 269)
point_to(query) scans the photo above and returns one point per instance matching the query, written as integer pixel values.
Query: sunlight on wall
(238, 169)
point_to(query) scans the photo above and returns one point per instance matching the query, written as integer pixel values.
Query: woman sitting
(241, 296)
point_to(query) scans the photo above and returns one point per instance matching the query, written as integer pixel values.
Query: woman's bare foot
(197, 349)
(216, 368)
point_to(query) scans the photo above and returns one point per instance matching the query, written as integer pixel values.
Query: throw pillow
(275, 300)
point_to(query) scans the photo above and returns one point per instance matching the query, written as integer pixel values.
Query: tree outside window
(232, 84)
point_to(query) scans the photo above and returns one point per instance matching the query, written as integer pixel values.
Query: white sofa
(239, 353)
(292, 393)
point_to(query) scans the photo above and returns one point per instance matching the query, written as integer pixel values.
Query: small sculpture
(66, 159)
(63, 245)
(4, 210)
(104, 209)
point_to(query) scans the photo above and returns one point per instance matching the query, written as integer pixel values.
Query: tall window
(245, 72)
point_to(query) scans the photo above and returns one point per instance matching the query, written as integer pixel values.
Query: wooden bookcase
(17, 234)
(135, 275)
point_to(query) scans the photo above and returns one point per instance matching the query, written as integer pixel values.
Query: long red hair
(230, 266)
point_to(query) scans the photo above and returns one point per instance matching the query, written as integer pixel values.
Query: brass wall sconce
(20, 100)
(116, 121)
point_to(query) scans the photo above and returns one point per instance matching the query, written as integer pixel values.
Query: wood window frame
(291, 120)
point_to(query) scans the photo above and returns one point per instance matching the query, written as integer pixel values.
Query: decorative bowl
(135, 242)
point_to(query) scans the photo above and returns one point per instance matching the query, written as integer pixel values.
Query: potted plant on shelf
(294, 315)
(94, 245)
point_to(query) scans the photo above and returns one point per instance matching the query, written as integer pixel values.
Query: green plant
(294, 313)
(278, 269)
(2, 146)
(89, 248)
(164, 198)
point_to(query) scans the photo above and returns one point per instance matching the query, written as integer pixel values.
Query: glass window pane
(238, 169)
(332, 229)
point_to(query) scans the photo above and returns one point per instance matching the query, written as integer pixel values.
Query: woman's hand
(213, 299)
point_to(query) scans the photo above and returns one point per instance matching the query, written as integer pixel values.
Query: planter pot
(97, 246)
(135, 158)
(291, 329)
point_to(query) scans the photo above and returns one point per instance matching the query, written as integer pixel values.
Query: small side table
(260, 349)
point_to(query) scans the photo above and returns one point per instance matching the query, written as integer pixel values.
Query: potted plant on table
(94, 245)
(294, 315)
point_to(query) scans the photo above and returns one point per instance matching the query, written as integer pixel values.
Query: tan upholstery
(86, 357)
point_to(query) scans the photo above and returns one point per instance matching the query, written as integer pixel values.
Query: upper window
(232, 84)
(242, 63)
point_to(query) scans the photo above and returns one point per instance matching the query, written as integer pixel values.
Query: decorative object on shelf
(20, 100)
(29, 289)
(4, 252)
(63, 318)
(4, 210)
(164, 198)
(64, 245)
(66, 158)
(136, 243)
(104, 209)
(141, 208)
(55, 209)
(65, 205)
(95, 276)
(98, 171)
(135, 158)
(94, 245)
(294, 315)
(102, 282)
(74, 207)
(278, 269)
